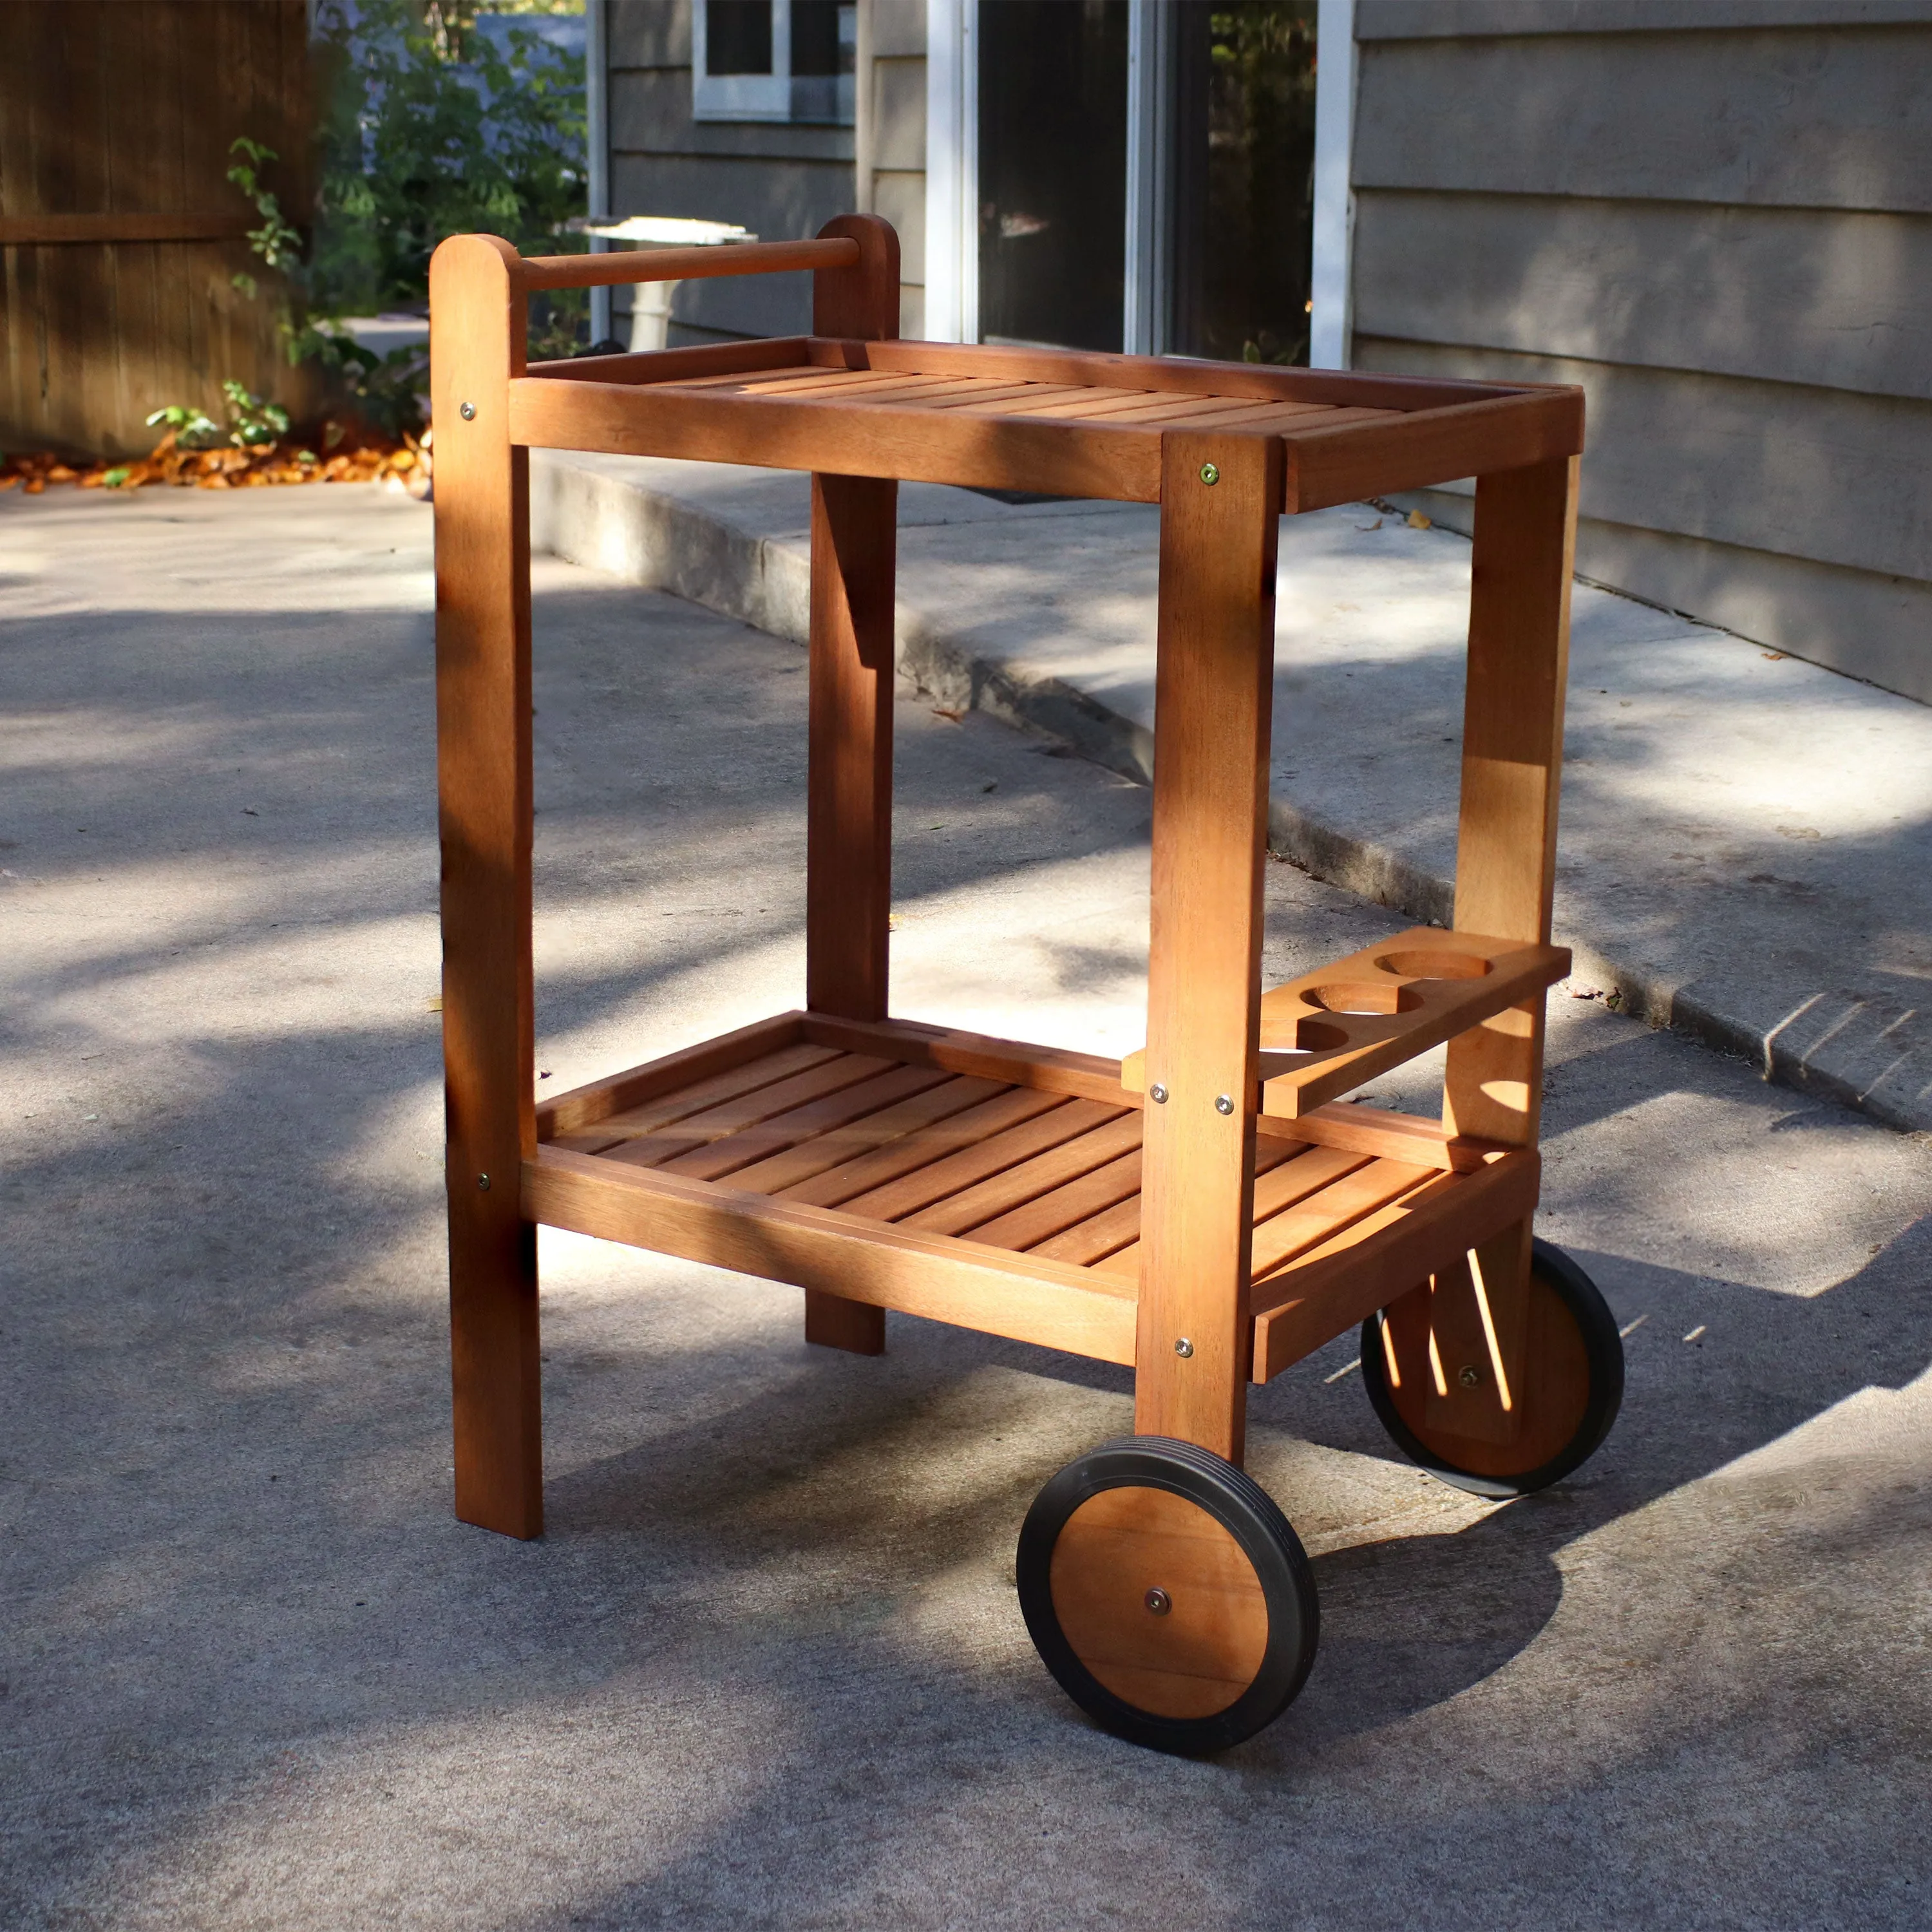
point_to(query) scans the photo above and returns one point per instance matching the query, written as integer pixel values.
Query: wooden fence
(119, 232)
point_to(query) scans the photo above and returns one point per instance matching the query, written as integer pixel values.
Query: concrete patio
(767, 1668)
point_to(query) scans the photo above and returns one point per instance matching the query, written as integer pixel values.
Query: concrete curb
(1838, 1046)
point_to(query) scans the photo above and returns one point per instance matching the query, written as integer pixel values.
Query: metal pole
(597, 118)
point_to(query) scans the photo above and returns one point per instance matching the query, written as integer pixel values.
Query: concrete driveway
(767, 1668)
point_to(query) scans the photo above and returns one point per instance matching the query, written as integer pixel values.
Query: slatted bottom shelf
(925, 1146)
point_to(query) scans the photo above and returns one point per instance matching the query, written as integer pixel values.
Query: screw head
(1183, 1347)
(1470, 1376)
(483, 1183)
(1157, 1094)
(1223, 1105)
(467, 412)
(1210, 474)
(1158, 1601)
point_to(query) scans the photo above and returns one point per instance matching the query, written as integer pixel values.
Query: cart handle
(536, 272)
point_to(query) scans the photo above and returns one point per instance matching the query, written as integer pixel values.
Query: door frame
(952, 177)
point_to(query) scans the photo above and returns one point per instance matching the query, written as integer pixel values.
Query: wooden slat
(1025, 1227)
(1214, 686)
(1343, 1281)
(1344, 389)
(817, 1249)
(1377, 1130)
(1321, 1216)
(1024, 1180)
(1053, 1068)
(838, 1186)
(44, 231)
(675, 1102)
(916, 445)
(731, 1116)
(1277, 1187)
(845, 1144)
(786, 1130)
(919, 1189)
(582, 1107)
(705, 361)
(1344, 464)
(1119, 1227)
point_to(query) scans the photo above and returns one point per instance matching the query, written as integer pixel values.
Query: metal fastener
(1210, 474)
(1159, 1601)
(1470, 1376)
(467, 412)
(483, 1182)
(1183, 1347)
(1157, 1094)
(1223, 1105)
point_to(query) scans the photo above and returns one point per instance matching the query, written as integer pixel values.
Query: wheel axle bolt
(1158, 1601)
(1183, 1347)
(1470, 1376)
(1157, 1094)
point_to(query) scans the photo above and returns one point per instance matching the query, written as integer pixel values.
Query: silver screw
(1209, 474)
(1159, 1601)
(1470, 1376)
(1157, 1094)
(1183, 1347)
(1223, 1105)
(468, 412)
(483, 1182)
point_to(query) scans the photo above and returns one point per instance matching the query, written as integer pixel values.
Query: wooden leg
(483, 764)
(1506, 852)
(849, 801)
(1213, 707)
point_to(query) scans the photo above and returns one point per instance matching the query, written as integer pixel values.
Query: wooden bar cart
(1209, 1210)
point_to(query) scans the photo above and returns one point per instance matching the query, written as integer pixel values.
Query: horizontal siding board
(648, 33)
(1803, 118)
(1456, 20)
(650, 114)
(1867, 626)
(1822, 474)
(1819, 296)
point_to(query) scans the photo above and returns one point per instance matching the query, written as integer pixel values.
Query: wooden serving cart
(1204, 1210)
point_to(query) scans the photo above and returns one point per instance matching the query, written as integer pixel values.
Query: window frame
(773, 97)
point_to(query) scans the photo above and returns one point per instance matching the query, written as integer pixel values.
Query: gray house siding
(1723, 231)
(783, 182)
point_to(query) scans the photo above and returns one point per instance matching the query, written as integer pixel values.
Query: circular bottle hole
(1319, 1035)
(1434, 965)
(1363, 996)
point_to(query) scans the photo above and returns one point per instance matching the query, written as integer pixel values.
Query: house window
(772, 60)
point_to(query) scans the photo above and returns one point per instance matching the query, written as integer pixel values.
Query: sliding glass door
(1208, 107)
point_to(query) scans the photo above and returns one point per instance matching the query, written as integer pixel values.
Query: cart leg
(1212, 711)
(1505, 874)
(483, 765)
(849, 797)
(849, 802)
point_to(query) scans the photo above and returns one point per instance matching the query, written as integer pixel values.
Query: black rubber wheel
(1574, 1387)
(1168, 1594)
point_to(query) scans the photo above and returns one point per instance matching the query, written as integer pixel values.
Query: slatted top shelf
(1058, 423)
